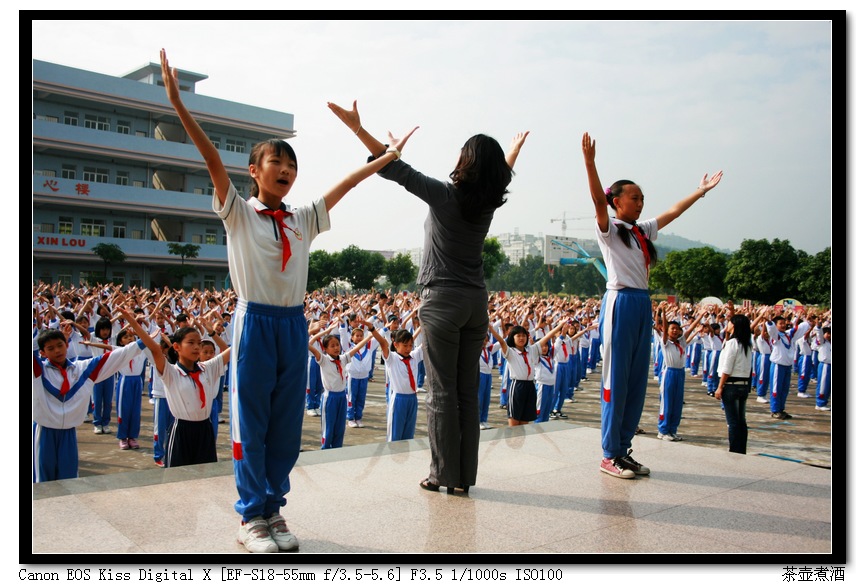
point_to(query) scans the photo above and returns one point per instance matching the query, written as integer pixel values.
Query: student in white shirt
(734, 367)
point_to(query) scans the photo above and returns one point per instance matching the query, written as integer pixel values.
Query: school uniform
(358, 380)
(334, 373)
(61, 398)
(130, 386)
(103, 392)
(781, 359)
(696, 349)
(485, 381)
(712, 364)
(522, 394)
(625, 332)
(584, 344)
(573, 367)
(163, 419)
(803, 366)
(561, 355)
(190, 395)
(672, 396)
(764, 351)
(402, 409)
(314, 384)
(269, 265)
(824, 370)
(546, 386)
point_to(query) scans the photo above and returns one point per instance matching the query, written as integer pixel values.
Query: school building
(113, 165)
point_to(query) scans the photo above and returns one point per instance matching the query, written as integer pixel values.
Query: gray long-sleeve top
(452, 251)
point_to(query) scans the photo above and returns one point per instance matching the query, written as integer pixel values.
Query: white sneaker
(802, 394)
(676, 437)
(359, 424)
(282, 537)
(352, 424)
(152, 401)
(255, 537)
(310, 412)
(762, 400)
(823, 408)
(106, 429)
(318, 411)
(569, 401)
(97, 429)
(666, 437)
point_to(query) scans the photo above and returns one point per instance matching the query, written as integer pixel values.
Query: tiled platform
(539, 491)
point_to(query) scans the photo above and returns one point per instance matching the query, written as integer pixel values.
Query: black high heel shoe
(431, 486)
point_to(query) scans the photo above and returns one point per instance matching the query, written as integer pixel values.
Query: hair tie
(608, 192)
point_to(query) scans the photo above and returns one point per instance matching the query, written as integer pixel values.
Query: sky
(667, 102)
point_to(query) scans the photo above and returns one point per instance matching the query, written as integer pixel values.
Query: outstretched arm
(208, 151)
(332, 197)
(596, 190)
(352, 120)
(516, 146)
(706, 185)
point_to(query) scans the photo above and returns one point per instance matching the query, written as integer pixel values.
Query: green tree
(359, 267)
(322, 270)
(815, 278)
(693, 273)
(492, 256)
(109, 253)
(400, 270)
(583, 280)
(763, 271)
(185, 251)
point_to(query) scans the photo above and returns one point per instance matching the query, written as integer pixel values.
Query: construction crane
(564, 221)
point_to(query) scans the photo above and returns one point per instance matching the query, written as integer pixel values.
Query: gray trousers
(455, 325)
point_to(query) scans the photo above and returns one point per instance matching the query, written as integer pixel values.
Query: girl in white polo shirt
(626, 310)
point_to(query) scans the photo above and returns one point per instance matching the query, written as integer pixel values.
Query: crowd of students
(543, 347)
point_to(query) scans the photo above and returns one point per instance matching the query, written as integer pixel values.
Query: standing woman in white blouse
(734, 367)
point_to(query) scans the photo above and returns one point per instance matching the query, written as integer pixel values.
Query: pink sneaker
(124, 444)
(614, 467)
(133, 444)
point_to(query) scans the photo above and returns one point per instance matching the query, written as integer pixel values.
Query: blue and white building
(112, 164)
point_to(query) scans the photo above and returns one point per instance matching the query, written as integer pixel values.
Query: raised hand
(349, 118)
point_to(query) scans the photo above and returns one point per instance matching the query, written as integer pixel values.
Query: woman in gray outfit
(453, 309)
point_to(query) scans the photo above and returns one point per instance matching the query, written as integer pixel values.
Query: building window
(224, 237)
(138, 183)
(197, 191)
(70, 119)
(135, 281)
(122, 178)
(215, 141)
(93, 174)
(118, 278)
(68, 171)
(43, 227)
(136, 234)
(124, 127)
(64, 278)
(87, 278)
(235, 146)
(196, 238)
(44, 173)
(97, 122)
(209, 282)
(140, 134)
(64, 225)
(94, 227)
(119, 230)
(209, 190)
(210, 236)
(53, 119)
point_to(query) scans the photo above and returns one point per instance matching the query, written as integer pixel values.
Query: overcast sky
(666, 102)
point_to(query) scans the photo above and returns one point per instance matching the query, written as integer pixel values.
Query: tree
(815, 278)
(492, 256)
(110, 253)
(693, 273)
(322, 270)
(763, 271)
(400, 270)
(184, 250)
(359, 267)
(582, 280)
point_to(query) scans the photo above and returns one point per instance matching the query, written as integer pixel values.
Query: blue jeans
(734, 398)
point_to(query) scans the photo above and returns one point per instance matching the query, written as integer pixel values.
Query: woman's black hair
(515, 330)
(742, 330)
(120, 335)
(614, 191)
(275, 146)
(178, 337)
(400, 336)
(481, 177)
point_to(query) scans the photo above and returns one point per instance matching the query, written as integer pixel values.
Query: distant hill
(668, 242)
